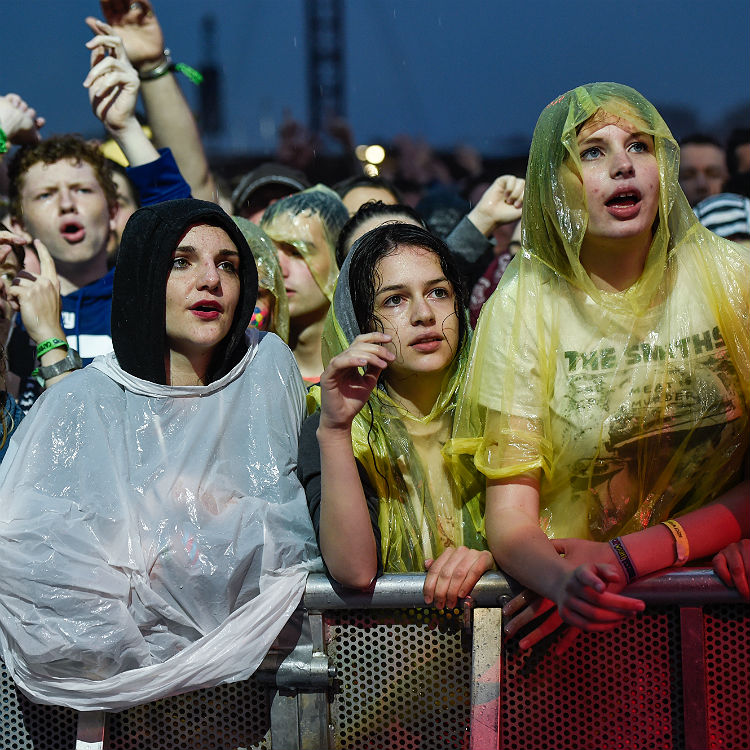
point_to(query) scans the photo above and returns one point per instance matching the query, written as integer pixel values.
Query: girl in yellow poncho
(398, 312)
(608, 386)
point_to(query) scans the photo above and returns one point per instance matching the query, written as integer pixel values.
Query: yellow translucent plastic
(426, 505)
(269, 274)
(633, 404)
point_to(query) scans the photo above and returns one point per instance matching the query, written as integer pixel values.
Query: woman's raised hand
(350, 377)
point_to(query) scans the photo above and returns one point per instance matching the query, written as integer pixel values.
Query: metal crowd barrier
(382, 670)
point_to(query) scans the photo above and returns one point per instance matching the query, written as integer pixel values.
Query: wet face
(203, 289)
(620, 177)
(358, 196)
(415, 304)
(65, 207)
(306, 298)
(703, 171)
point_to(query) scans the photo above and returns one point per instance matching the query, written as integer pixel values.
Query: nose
(622, 164)
(208, 276)
(66, 201)
(422, 312)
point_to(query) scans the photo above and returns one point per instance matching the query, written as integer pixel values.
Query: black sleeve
(472, 251)
(308, 472)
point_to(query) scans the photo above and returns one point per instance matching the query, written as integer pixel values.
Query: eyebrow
(397, 287)
(190, 250)
(598, 139)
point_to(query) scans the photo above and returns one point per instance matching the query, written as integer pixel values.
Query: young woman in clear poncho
(155, 537)
(608, 386)
(395, 344)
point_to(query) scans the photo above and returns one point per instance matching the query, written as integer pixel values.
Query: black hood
(139, 295)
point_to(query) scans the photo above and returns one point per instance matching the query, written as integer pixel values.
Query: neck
(305, 339)
(182, 369)
(417, 393)
(615, 265)
(76, 275)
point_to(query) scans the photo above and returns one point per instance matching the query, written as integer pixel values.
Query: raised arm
(113, 92)
(347, 542)
(19, 123)
(168, 113)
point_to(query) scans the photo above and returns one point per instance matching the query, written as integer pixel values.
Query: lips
(624, 203)
(427, 342)
(72, 230)
(207, 309)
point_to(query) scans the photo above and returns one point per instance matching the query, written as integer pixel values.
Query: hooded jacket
(139, 294)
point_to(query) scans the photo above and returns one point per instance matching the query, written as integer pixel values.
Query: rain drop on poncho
(633, 404)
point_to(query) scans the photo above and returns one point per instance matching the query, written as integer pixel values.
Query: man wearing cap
(263, 186)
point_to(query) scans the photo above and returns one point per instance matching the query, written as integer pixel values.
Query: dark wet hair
(367, 211)
(362, 180)
(383, 241)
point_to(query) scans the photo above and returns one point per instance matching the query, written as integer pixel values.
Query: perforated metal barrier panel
(404, 683)
(404, 679)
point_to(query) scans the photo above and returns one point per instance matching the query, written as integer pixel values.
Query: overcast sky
(475, 71)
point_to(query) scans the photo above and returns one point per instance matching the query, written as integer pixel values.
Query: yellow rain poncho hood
(424, 506)
(634, 403)
(310, 221)
(269, 274)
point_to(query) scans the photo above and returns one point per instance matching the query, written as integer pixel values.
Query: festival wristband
(623, 558)
(48, 345)
(682, 546)
(167, 66)
(3, 142)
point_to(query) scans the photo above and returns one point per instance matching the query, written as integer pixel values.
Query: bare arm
(168, 113)
(346, 539)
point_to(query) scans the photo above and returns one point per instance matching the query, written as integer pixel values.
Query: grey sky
(476, 71)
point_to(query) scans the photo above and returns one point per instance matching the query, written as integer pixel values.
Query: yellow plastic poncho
(269, 274)
(425, 504)
(634, 404)
(310, 221)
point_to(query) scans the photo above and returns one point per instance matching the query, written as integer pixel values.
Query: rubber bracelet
(623, 558)
(682, 546)
(48, 345)
(3, 142)
(167, 66)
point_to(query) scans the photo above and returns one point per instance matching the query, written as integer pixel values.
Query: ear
(112, 217)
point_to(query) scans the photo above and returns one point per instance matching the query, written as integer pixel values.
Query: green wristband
(3, 142)
(48, 345)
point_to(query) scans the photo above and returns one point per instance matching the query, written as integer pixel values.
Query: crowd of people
(206, 397)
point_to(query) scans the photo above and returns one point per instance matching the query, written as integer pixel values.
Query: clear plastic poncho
(155, 539)
(310, 221)
(425, 504)
(633, 404)
(269, 274)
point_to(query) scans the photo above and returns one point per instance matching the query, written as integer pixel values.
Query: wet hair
(362, 180)
(364, 278)
(50, 151)
(367, 211)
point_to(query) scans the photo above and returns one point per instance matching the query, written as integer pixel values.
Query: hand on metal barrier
(453, 575)
(732, 565)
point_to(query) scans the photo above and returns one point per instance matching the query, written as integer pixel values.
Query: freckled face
(621, 182)
(203, 289)
(416, 305)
